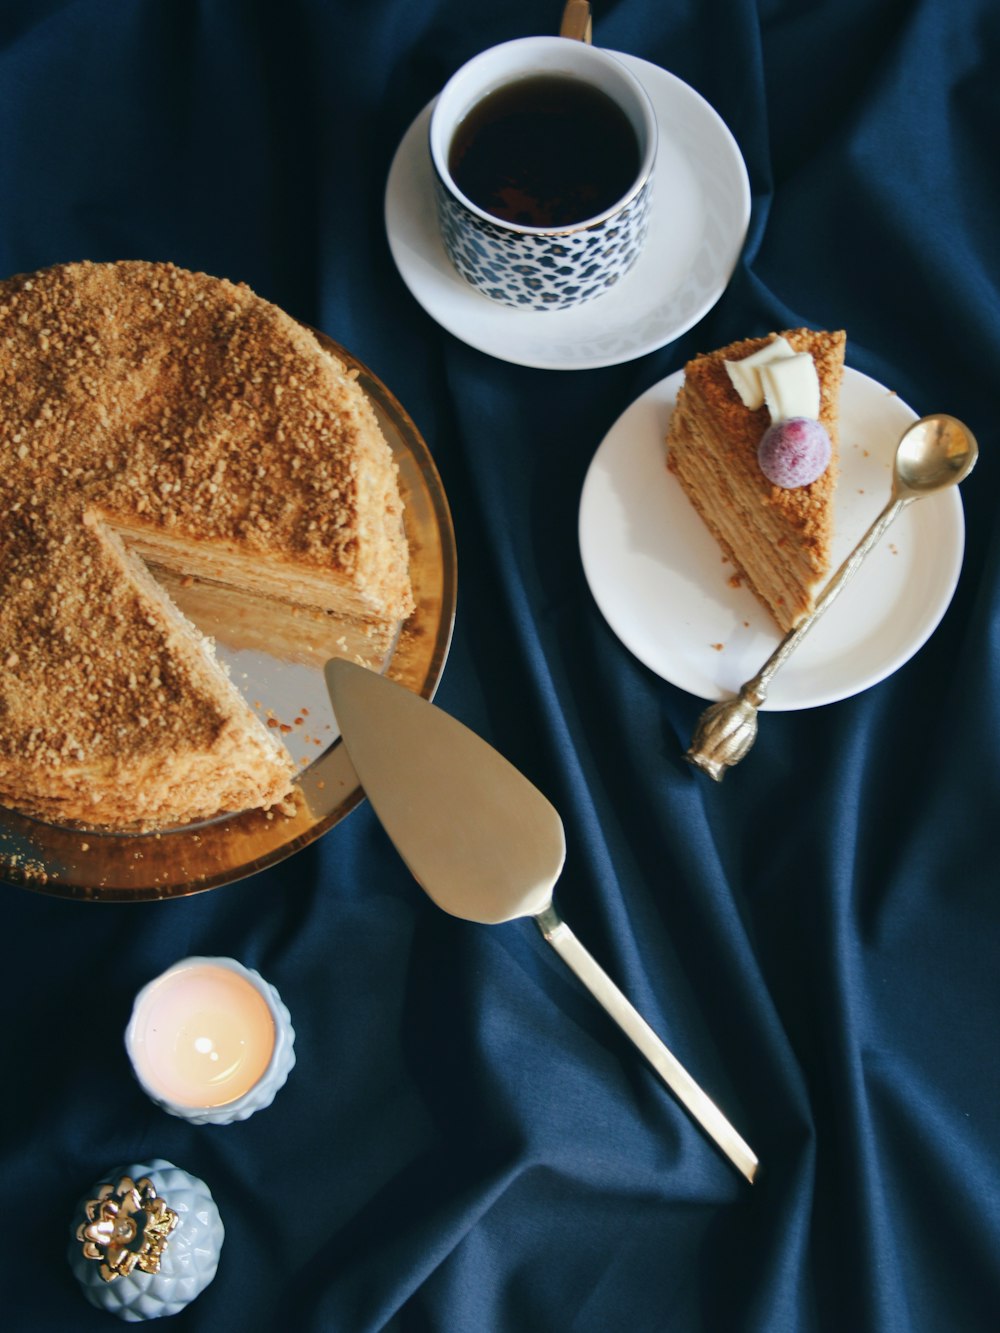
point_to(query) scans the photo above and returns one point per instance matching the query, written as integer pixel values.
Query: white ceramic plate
(660, 581)
(700, 213)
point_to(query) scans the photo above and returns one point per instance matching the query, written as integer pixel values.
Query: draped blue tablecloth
(467, 1143)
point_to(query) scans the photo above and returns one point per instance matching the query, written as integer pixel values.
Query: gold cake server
(485, 845)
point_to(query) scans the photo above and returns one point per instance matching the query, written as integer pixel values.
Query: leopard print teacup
(546, 266)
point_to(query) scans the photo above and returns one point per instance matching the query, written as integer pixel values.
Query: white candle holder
(210, 1041)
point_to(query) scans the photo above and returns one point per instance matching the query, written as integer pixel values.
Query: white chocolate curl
(791, 387)
(745, 374)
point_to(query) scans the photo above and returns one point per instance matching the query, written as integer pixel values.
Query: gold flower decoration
(128, 1226)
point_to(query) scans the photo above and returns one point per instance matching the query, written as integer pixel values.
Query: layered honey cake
(152, 417)
(753, 441)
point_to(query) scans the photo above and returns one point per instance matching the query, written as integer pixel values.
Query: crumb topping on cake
(185, 399)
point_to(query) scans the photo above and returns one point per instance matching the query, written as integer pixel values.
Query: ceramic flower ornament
(146, 1241)
(126, 1227)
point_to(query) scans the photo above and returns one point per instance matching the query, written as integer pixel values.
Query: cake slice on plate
(781, 391)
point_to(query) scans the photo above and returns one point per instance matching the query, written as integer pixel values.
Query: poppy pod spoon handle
(934, 453)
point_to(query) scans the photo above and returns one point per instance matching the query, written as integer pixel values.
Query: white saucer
(658, 576)
(701, 209)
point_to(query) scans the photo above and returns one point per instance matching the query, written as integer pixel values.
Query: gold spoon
(934, 453)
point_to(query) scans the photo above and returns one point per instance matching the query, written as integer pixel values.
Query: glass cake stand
(280, 671)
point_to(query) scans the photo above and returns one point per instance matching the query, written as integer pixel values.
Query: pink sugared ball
(794, 452)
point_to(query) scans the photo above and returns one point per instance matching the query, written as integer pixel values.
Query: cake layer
(778, 539)
(773, 567)
(224, 563)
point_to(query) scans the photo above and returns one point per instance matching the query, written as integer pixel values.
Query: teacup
(543, 151)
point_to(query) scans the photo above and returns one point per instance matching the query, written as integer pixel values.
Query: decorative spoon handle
(933, 453)
(635, 1027)
(755, 689)
(726, 730)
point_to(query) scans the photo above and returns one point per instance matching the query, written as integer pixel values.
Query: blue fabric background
(466, 1143)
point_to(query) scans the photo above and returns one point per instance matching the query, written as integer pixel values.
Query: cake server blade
(485, 845)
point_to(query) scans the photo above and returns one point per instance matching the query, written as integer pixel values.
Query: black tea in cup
(545, 150)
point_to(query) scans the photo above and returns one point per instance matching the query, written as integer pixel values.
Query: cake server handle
(698, 1104)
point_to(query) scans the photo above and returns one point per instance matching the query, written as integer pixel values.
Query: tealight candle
(210, 1040)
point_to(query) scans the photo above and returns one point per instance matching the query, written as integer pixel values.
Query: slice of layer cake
(776, 536)
(152, 418)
